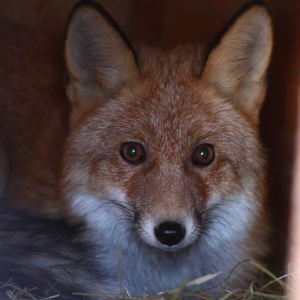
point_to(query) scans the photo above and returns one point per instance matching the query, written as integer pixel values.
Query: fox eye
(203, 155)
(133, 153)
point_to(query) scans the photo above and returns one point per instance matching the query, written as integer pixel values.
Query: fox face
(169, 152)
(164, 154)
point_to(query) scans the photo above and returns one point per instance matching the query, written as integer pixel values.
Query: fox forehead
(169, 92)
(150, 111)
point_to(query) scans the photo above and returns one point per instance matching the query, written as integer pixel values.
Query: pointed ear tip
(258, 9)
(257, 12)
(85, 7)
(88, 4)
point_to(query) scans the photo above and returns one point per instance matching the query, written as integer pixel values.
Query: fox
(162, 165)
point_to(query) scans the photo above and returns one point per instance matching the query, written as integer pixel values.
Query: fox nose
(169, 233)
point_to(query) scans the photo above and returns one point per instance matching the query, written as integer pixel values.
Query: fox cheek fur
(164, 148)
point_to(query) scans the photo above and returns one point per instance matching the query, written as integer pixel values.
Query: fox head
(166, 142)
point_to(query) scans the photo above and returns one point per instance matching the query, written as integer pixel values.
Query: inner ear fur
(238, 63)
(98, 56)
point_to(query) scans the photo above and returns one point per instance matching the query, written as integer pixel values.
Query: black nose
(169, 233)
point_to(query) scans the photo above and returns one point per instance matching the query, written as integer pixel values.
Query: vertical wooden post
(293, 263)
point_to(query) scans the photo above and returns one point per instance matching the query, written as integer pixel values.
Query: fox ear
(237, 65)
(98, 56)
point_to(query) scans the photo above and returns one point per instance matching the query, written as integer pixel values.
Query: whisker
(210, 217)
